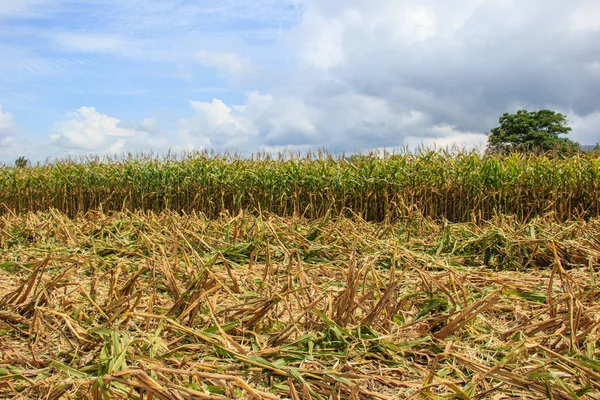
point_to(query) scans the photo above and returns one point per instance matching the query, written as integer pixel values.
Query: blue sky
(109, 76)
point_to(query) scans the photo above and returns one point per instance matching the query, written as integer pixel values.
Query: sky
(84, 77)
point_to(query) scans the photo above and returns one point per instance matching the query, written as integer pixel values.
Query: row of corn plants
(457, 187)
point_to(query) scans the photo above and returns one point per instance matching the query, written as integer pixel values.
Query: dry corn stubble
(171, 306)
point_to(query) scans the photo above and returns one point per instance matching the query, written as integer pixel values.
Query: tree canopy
(531, 131)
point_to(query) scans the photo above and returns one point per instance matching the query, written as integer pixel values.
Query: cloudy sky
(112, 76)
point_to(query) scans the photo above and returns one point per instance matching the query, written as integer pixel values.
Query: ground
(142, 305)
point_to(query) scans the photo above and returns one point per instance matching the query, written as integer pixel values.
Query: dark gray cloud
(349, 74)
(378, 74)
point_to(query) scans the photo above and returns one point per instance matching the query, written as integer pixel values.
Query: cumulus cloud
(215, 125)
(411, 72)
(352, 74)
(88, 130)
(458, 63)
(346, 122)
(92, 131)
(406, 72)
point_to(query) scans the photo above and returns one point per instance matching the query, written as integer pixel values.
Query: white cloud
(392, 72)
(7, 125)
(8, 130)
(321, 41)
(168, 16)
(222, 61)
(91, 131)
(215, 125)
(23, 8)
(447, 137)
(273, 122)
(262, 122)
(88, 130)
(586, 15)
(17, 63)
(93, 43)
(586, 128)
(341, 74)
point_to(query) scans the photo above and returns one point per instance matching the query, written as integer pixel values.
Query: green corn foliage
(459, 187)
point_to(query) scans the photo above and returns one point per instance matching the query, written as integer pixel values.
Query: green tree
(531, 131)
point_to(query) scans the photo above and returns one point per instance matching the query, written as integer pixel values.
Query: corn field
(414, 276)
(456, 187)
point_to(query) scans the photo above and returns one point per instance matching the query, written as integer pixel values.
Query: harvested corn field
(141, 305)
